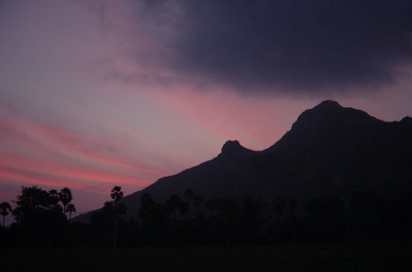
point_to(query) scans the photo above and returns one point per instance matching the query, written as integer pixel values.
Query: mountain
(329, 150)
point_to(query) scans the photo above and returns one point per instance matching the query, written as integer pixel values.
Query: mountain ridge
(330, 149)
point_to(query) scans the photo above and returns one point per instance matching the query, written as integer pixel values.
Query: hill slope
(329, 150)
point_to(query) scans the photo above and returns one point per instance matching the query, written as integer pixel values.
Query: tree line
(324, 219)
(188, 219)
(40, 217)
(43, 219)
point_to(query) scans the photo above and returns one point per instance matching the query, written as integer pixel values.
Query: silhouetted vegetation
(325, 229)
(250, 222)
(40, 221)
(5, 209)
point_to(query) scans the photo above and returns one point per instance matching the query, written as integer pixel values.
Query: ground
(280, 258)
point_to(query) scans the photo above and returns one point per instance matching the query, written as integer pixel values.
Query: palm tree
(210, 205)
(65, 196)
(53, 197)
(197, 201)
(183, 208)
(252, 216)
(116, 194)
(121, 210)
(70, 208)
(189, 194)
(173, 204)
(146, 206)
(5, 209)
(146, 200)
(219, 205)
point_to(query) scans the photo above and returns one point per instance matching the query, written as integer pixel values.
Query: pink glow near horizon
(58, 139)
(42, 168)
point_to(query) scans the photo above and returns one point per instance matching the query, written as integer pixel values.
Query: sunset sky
(98, 93)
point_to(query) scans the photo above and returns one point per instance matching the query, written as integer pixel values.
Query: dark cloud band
(303, 46)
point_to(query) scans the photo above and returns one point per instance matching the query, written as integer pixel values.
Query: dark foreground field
(215, 259)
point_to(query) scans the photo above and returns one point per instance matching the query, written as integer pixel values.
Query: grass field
(199, 259)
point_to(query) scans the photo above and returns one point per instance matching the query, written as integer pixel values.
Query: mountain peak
(234, 148)
(231, 147)
(327, 121)
(328, 108)
(329, 113)
(328, 105)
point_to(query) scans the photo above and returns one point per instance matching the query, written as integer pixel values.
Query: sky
(98, 93)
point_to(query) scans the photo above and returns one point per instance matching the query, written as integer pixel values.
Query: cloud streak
(39, 154)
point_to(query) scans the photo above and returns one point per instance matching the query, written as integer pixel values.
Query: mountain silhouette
(330, 150)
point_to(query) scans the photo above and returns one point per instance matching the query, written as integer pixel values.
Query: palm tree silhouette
(53, 197)
(146, 206)
(210, 205)
(116, 194)
(183, 208)
(173, 204)
(252, 216)
(65, 196)
(70, 208)
(121, 210)
(189, 194)
(197, 201)
(5, 209)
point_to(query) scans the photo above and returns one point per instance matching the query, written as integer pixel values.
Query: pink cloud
(36, 136)
(40, 157)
